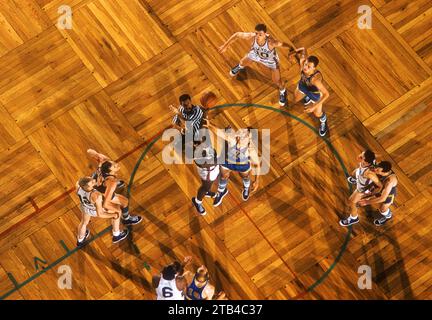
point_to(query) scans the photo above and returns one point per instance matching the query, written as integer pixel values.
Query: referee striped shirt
(193, 119)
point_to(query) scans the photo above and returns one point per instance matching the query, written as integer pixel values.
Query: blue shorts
(237, 167)
(390, 197)
(314, 96)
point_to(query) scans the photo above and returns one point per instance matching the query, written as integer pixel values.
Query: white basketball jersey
(264, 51)
(86, 205)
(167, 290)
(362, 181)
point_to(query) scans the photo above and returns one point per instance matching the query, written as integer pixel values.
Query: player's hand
(222, 49)
(309, 109)
(173, 109)
(187, 260)
(313, 107)
(115, 214)
(362, 203)
(221, 296)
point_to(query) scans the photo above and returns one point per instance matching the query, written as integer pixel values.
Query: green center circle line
(285, 113)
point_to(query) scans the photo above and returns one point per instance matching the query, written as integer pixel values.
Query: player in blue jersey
(241, 155)
(310, 89)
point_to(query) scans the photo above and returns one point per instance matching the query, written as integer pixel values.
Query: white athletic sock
(282, 91)
(116, 233)
(246, 183)
(323, 118)
(81, 239)
(386, 213)
(240, 66)
(353, 217)
(197, 201)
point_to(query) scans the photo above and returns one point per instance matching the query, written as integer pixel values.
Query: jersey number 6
(167, 292)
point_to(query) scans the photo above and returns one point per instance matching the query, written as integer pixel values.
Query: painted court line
(332, 149)
(153, 141)
(62, 243)
(64, 194)
(50, 266)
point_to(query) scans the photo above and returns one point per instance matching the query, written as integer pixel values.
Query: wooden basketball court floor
(106, 84)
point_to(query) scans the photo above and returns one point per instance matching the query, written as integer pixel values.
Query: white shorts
(272, 64)
(88, 211)
(209, 175)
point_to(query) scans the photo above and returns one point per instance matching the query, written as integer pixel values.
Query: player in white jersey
(386, 196)
(263, 50)
(91, 202)
(208, 170)
(171, 284)
(108, 183)
(364, 178)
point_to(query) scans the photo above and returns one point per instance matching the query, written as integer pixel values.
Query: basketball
(208, 100)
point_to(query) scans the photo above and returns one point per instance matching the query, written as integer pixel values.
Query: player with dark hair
(386, 195)
(107, 182)
(91, 206)
(310, 88)
(208, 170)
(188, 116)
(364, 178)
(171, 284)
(263, 50)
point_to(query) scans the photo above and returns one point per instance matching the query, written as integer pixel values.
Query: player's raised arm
(155, 281)
(98, 157)
(235, 36)
(300, 55)
(220, 133)
(280, 44)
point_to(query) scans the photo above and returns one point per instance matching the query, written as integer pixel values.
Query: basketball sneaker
(120, 184)
(352, 180)
(219, 196)
(349, 221)
(234, 71)
(245, 194)
(82, 243)
(132, 220)
(123, 235)
(381, 221)
(323, 129)
(282, 98)
(199, 207)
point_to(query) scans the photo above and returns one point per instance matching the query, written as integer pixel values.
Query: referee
(188, 117)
